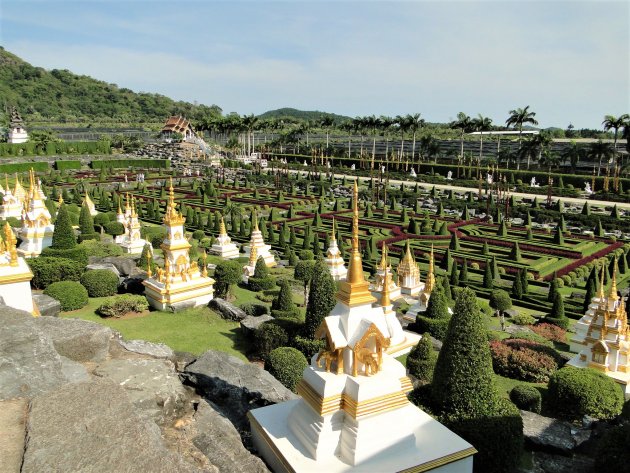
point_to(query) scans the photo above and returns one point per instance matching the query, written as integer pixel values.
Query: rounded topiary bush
(253, 309)
(576, 392)
(421, 360)
(100, 282)
(78, 254)
(286, 364)
(526, 397)
(308, 346)
(47, 270)
(269, 337)
(70, 294)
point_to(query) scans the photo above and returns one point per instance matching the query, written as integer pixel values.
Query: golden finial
(60, 199)
(383, 264)
(332, 232)
(600, 291)
(253, 257)
(430, 283)
(255, 220)
(354, 290)
(171, 217)
(612, 295)
(10, 242)
(149, 260)
(127, 206)
(204, 271)
(222, 230)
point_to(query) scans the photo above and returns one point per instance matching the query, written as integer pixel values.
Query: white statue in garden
(449, 176)
(533, 182)
(587, 187)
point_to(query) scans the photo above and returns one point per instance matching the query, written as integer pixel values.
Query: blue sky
(568, 60)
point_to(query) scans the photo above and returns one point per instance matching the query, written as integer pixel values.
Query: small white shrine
(250, 268)
(180, 280)
(12, 205)
(422, 300)
(602, 336)
(223, 245)
(17, 132)
(15, 275)
(409, 274)
(37, 230)
(132, 242)
(123, 218)
(333, 259)
(382, 270)
(353, 414)
(262, 250)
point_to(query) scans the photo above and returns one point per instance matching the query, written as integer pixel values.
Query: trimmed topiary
(48, 270)
(321, 299)
(526, 398)
(286, 364)
(78, 254)
(576, 392)
(100, 282)
(254, 309)
(118, 306)
(63, 236)
(421, 360)
(307, 346)
(70, 294)
(268, 337)
(524, 360)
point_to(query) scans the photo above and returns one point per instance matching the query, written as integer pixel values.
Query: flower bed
(524, 360)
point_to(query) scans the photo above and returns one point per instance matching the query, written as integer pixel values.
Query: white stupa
(262, 250)
(17, 132)
(12, 204)
(223, 245)
(180, 280)
(422, 300)
(602, 336)
(333, 259)
(250, 268)
(383, 269)
(37, 230)
(15, 275)
(132, 242)
(353, 414)
(90, 205)
(409, 274)
(123, 218)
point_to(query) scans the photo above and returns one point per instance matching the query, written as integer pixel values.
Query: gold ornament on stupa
(429, 285)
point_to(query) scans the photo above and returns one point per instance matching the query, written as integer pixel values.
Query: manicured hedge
(526, 398)
(48, 270)
(133, 163)
(576, 392)
(524, 360)
(78, 254)
(23, 167)
(270, 336)
(286, 364)
(118, 306)
(64, 165)
(71, 294)
(61, 147)
(100, 282)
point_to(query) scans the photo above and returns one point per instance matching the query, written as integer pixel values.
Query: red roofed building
(177, 125)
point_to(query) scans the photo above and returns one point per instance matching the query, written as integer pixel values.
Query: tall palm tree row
(481, 124)
(615, 123)
(517, 119)
(465, 125)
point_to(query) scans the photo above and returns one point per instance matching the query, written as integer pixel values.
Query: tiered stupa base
(262, 251)
(411, 291)
(15, 287)
(377, 430)
(133, 247)
(337, 268)
(31, 247)
(229, 251)
(197, 290)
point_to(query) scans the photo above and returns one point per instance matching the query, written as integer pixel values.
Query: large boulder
(93, 427)
(548, 434)
(29, 363)
(235, 386)
(125, 266)
(228, 311)
(78, 340)
(47, 306)
(217, 439)
(142, 347)
(250, 324)
(548, 463)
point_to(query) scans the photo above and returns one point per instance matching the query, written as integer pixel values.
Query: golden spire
(133, 208)
(612, 295)
(407, 265)
(255, 222)
(149, 258)
(600, 291)
(127, 206)
(383, 263)
(354, 290)
(385, 301)
(87, 199)
(253, 257)
(332, 232)
(204, 270)
(429, 285)
(10, 242)
(6, 183)
(60, 199)
(222, 230)
(171, 216)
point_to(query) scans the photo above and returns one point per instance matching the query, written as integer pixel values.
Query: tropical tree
(326, 122)
(615, 123)
(517, 119)
(481, 124)
(599, 151)
(464, 124)
(573, 153)
(415, 123)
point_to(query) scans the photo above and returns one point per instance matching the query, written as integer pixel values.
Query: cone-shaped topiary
(454, 244)
(586, 209)
(614, 213)
(517, 287)
(447, 261)
(599, 230)
(515, 253)
(321, 298)
(463, 273)
(524, 281)
(63, 235)
(421, 360)
(488, 280)
(502, 231)
(454, 278)
(558, 237)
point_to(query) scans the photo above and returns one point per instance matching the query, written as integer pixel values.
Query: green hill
(59, 96)
(293, 113)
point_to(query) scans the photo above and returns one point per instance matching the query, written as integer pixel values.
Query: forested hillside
(301, 115)
(59, 96)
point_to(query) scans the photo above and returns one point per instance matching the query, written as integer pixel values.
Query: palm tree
(612, 123)
(415, 123)
(385, 125)
(326, 122)
(373, 124)
(358, 123)
(573, 154)
(549, 159)
(481, 124)
(349, 127)
(517, 118)
(403, 125)
(464, 124)
(600, 150)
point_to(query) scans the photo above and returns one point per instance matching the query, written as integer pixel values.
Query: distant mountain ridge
(314, 115)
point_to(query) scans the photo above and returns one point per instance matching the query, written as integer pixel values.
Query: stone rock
(93, 427)
(133, 284)
(12, 433)
(226, 310)
(142, 347)
(153, 386)
(125, 266)
(73, 371)
(78, 340)
(29, 363)
(106, 266)
(217, 439)
(547, 434)
(250, 324)
(235, 386)
(549, 463)
(48, 306)
(183, 305)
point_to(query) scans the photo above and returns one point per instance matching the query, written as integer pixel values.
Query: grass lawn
(195, 330)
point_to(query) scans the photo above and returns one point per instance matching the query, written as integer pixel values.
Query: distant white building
(17, 132)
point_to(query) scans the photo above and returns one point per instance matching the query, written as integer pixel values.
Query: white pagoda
(123, 218)
(180, 280)
(12, 204)
(15, 275)
(90, 204)
(17, 132)
(409, 274)
(384, 270)
(223, 245)
(422, 301)
(400, 341)
(250, 268)
(353, 414)
(37, 230)
(262, 250)
(132, 242)
(602, 336)
(333, 259)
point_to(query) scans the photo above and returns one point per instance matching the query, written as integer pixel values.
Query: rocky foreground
(74, 396)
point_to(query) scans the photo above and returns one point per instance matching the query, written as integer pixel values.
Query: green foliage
(517, 287)
(226, 274)
(488, 280)
(321, 299)
(454, 244)
(65, 165)
(254, 309)
(558, 237)
(283, 304)
(114, 228)
(307, 346)
(421, 360)
(500, 300)
(86, 225)
(70, 294)
(99, 249)
(63, 236)
(612, 452)
(120, 305)
(523, 319)
(515, 253)
(576, 392)
(133, 163)
(100, 282)
(47, 270)
(463, 376)
(78, 254)
(286, 364)
(270, 336)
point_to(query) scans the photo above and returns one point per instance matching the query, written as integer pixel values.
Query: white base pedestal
(15, 286)
(229, 251)
(133, 247)
(263, 252)
(404, 347)
(429, 446)
(198, 290)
